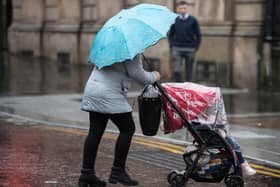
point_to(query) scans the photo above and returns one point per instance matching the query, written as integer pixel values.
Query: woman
(105, 97)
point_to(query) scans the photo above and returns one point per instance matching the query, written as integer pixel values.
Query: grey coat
(106, 89)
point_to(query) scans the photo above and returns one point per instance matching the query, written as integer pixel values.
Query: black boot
(119, 175)
(89, 179)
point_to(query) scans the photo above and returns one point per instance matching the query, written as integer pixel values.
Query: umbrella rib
(155, 30)
(146, 24)
(126, 41)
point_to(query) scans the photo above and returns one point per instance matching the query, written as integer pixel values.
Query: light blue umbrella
(129, 33)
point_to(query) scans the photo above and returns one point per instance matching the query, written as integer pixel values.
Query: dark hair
(180, 3)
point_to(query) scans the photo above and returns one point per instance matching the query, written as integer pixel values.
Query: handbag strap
(144, 90)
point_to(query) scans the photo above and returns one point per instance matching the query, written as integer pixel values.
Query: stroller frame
(180, 178)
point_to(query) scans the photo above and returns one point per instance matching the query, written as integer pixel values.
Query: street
(40, 155)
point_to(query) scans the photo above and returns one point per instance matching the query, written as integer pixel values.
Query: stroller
(200, 109)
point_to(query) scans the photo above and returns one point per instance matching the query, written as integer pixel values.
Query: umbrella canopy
(130, 32)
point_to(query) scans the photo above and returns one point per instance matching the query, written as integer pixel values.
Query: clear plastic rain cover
(200, 104)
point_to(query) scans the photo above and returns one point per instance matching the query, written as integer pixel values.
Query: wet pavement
(258, 142)
(38, 155)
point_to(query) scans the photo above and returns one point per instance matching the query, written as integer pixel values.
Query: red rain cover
(192, 99)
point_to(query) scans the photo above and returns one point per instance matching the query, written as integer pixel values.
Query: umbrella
(129, 33)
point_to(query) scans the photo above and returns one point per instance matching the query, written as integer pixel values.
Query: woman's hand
(157, 75)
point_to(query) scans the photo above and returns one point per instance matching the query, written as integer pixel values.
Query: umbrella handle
(148, 62)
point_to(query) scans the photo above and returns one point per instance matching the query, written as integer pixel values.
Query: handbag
(149, 112)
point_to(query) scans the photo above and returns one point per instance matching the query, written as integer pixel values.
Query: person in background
(184, 39)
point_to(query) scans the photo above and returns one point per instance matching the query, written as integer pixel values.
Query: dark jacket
(185, 33)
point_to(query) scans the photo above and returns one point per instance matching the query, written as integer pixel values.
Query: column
(61, 31)
(247, 43)
(25, 32)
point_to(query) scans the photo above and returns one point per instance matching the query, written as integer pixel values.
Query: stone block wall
(248, 42)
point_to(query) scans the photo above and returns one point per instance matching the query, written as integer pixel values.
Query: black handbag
(149, 113)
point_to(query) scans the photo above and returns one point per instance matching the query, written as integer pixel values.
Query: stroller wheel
(176, 179)
(234, 181)
(171, 176)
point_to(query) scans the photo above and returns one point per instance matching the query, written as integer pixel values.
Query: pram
(200, 109)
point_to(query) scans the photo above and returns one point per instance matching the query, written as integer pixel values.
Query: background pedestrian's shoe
(119, 175)
(89, 179)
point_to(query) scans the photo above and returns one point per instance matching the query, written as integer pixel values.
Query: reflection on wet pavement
(23, 76)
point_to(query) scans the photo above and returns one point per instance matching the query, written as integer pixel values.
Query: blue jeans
(236, 147)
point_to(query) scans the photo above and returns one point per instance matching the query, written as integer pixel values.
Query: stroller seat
(205, 132)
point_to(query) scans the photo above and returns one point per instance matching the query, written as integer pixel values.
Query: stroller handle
(186, 123)
(180, 113)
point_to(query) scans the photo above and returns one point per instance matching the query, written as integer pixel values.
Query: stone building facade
(232, 33)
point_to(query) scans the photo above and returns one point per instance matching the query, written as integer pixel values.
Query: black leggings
(98, 122)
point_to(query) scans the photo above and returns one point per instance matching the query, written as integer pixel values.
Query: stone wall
(231, 33)
(232, 38)
(248, 43)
